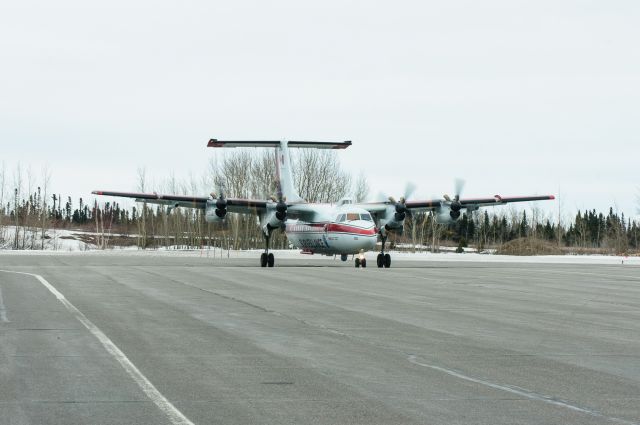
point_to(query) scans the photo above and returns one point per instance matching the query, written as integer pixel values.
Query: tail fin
(284, 175)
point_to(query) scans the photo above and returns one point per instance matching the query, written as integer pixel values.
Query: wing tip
(214, 143)
(345, 144)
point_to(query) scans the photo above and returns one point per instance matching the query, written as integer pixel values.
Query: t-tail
(284, 174)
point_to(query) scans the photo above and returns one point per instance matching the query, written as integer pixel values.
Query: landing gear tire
(380, 260)
(344, 257)
(270, 260)
(263, 259)
(357, 263)
(387, 261)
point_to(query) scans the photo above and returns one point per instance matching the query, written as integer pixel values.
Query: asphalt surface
(317, 342)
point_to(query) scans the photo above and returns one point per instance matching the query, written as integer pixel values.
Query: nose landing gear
(361, 263)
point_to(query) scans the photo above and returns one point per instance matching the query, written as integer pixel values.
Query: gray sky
(515, 97)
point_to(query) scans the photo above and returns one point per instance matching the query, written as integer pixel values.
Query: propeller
(221, 201)
(401, 205)
(454, 204)
(281, 202)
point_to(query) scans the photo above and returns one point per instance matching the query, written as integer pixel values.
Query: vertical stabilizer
(284, 174)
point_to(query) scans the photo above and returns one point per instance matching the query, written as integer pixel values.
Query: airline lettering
(313, 243)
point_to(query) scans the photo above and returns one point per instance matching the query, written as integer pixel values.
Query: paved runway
(316, 342)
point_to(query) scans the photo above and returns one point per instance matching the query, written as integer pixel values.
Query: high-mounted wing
(477, 202)
(390, 215)
(430, 204)
(242, 206)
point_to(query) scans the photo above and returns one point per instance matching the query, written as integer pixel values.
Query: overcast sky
(516, 97)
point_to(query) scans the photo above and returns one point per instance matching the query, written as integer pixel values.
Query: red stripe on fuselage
(330, 228)
(345, 228)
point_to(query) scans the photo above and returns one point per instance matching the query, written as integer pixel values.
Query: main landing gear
(267, 258)
(383, 260)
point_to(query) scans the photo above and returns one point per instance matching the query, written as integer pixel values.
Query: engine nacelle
(401, 213)
(274, 218)
(392, 220)
(393, 226)
(213, 212)
(281, 211)
(271, 221)
(446, 215)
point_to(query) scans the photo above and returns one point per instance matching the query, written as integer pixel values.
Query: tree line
(28, 211)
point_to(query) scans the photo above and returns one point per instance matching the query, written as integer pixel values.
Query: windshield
(353, 216)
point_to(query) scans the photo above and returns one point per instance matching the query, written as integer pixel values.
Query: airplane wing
(237, 205)
(431, 204)
(389, 215)
(477, 202)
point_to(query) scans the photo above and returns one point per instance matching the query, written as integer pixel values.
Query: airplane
(344, 228)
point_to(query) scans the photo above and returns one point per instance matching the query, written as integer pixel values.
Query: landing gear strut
(267, 258)
(383, 260)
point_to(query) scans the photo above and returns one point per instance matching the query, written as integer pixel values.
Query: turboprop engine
(275, 216)
(216, 209)
(449, 211)
(446, 215)
(397, 213)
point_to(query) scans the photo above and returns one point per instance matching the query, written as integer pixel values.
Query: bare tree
(17, 194)
(361, 188)
(46, 178)
(319, 176)
(3, 211)
(142, 224)
(436, 230)
(2, 188)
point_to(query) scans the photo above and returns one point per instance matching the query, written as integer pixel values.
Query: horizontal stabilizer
(215, 143)
(320, 145)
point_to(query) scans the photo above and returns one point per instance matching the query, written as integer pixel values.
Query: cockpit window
(353, 216)
(366, 217)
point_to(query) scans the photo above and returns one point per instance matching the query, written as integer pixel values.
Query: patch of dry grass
(528, 246)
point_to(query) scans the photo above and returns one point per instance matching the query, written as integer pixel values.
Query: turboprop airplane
(343, 228)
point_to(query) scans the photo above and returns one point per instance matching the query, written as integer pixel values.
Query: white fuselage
(337, 230)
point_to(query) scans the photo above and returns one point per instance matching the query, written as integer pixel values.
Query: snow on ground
(55, 239)
(63, 241)
(216, 253)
